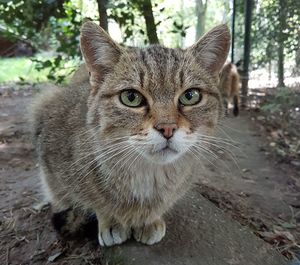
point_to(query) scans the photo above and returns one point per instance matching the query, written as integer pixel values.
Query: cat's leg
(150, 233)
(225, 104)
(46, 196)
(53, 193)
(75, 223)
(235, 105)
(67, 220)
(111, 232)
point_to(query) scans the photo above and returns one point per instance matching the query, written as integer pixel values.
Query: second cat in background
(230, 87)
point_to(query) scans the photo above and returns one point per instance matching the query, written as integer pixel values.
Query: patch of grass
(24, 69)
(20, 69)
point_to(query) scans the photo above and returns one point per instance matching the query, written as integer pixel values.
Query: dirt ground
(246, 182)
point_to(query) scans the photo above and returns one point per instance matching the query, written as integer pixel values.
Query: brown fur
(129, 183)
(230, 86)
(80, 76)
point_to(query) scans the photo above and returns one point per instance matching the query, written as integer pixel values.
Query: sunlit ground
(265, 82)
(262, 79)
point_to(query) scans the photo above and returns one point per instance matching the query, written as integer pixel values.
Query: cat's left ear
(212, 49)
(100, 52)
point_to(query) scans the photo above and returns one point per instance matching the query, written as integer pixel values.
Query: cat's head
(154, 103)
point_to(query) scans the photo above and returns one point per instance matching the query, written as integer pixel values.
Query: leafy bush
(281, 102)
(48, 26)
(282, 122)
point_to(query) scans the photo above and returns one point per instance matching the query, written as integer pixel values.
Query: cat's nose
(166, 129)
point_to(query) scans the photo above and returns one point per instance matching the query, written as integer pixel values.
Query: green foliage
(53, 26)
(20, 69)
(129, 16)
(25, 18)
(179, 28)
(280, 103)
(65, 36)
(173, 20)
(47, 25)
(274, 35)
(31, 70)
(58, 68)
(126, 14)
(281, 111)
(274, 22)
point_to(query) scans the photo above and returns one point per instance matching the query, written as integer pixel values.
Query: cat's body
(230, 86)
(80, 76)
(101, 152)
(139, 195)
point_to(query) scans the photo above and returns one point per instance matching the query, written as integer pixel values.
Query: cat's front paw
(110, 235)
(151, 233)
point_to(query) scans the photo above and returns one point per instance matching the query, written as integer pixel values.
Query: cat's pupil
(189, 95)
(131, 96)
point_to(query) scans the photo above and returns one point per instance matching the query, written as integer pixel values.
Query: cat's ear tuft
(212, 49)
(100, 52)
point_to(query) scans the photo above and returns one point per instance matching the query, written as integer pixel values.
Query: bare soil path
(258, 193)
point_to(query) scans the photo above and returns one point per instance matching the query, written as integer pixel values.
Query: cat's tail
(235, 105)
(73, 223)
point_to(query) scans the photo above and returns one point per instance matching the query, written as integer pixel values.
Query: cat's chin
(163, 156)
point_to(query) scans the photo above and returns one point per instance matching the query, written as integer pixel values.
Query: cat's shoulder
(52, 96)
(80, 76)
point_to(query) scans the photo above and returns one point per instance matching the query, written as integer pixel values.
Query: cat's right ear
(100, 52)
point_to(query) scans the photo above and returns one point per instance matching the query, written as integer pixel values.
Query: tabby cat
(124, 144)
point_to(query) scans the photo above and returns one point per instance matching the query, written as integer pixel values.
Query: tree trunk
(282, 19)
(103, 14)
(270, 70)
(297, 59)
(201, 15)
(280, 65)
(247, 45)
(233, 31)
(147, 12)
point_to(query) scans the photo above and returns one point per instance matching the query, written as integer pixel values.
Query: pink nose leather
(166, 129)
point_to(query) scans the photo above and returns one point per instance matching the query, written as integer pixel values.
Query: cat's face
(154, 103)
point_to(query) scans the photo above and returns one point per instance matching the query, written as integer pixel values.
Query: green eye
(132, 98)
(190, 97)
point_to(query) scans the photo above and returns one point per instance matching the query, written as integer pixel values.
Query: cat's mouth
(163, 154)
(165, 150)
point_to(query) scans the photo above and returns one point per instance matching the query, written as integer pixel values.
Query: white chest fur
(145, 181)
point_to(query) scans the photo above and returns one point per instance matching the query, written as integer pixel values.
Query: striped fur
(79, 132)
